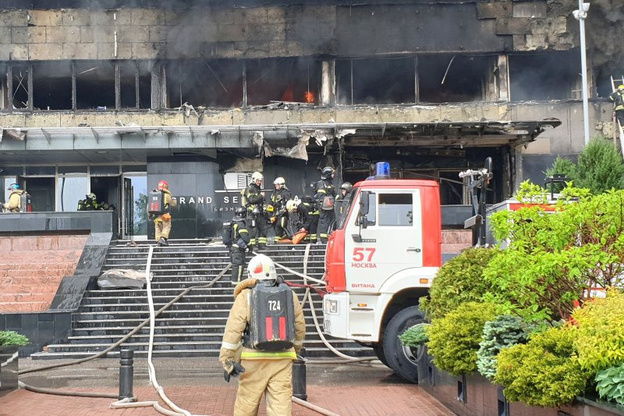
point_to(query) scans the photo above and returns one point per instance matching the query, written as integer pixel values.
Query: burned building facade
(111, 96)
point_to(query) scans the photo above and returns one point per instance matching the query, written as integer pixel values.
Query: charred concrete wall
(135, 33)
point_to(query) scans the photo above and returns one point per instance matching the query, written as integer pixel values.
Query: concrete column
(328, 83)
(502, 78)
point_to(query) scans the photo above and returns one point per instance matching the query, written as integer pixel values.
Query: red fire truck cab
(380, 260)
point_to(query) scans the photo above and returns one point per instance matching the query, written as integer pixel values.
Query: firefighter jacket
(240, 234)
(279, 197)
(324, 188)
(618, 100)
(15, 201)
(252, 199)
(239, 318)
(168, 203)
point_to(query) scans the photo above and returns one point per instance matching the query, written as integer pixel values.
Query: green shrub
(454, 339)
(542, 372)
(415, 336)
(12, 338)
(503, 331)
(610, 384)
(599, 333)
(459, 280)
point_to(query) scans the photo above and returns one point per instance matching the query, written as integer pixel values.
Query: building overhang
(88, 145)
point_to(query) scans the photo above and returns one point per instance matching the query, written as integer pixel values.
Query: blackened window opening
(52, 85)
(205, 83)
(552, 76)
(375, 81)
(283, 80)
(135, 84)
(453, 78)
(95, 85)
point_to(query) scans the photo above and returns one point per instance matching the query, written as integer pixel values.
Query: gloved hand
(233, 369)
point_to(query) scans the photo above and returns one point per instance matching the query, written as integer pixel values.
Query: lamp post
(580, 15)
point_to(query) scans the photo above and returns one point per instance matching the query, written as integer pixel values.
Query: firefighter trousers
(273, 377)
(162, 228)
(258, 231)
(325, 223)
(237, 257)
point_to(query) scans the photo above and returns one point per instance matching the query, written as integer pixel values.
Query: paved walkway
(197, 386)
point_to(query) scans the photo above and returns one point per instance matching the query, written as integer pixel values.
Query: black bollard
(126, 375)
(299, 379)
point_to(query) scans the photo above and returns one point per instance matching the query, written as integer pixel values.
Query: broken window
(52, 85)
(18, 86)
(375, 81)
(134, 84)
(454, 78)
(95, 85)
(287, 79)
(207, 83)
(551, 76)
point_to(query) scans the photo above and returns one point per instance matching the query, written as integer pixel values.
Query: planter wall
(8, 369)
(474, 395)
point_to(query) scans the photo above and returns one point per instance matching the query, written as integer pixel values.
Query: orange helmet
(162, 185)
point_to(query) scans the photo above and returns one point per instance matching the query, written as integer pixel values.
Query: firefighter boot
(162, 242)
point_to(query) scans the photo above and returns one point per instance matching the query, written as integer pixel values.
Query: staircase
(192, 326)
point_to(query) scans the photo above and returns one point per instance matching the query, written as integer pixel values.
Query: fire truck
(381, 258)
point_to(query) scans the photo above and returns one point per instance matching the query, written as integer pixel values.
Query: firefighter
(304, 218)
(237, 240)
(260, 371)
(162, 222)
(310, 206)
(252, 198)
(342, 200)
(277, 209)
(15, 198)
(618, 102)
(325, 199)
(90, 203)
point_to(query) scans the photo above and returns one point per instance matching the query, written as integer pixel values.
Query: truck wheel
(403, 360)
(379, 352)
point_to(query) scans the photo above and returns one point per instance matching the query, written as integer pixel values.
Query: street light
(580, 15)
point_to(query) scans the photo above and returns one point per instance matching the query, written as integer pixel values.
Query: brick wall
(454, 241)
(31, 268)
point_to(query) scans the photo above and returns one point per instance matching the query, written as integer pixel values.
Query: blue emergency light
(382, 170)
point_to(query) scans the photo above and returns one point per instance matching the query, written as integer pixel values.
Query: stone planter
(474, 395)
(8, 369)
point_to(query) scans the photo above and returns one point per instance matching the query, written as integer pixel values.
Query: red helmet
(162, 185)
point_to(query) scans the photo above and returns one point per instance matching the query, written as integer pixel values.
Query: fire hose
(177, 411)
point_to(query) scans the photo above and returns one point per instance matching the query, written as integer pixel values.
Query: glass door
(134, 214)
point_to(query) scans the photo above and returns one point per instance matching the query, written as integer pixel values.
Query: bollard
(126, 375)
(299, 379)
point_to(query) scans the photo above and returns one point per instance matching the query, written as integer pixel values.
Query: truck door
(389, 242)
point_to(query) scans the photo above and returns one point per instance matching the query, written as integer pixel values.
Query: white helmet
(261, 267)
(279, 181)
(257, 176)
(292, 204)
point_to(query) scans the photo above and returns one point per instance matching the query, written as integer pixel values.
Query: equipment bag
(156, 202)
(272, 325)
(25, 202)
(227, 234)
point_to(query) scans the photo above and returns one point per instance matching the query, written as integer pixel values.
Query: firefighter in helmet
(305, 220)
(252, 198)
(342, 200)
(325, 201)
(237, 240)
(260, 371)
(618, 102)
(277, 209)
(162, 222)
(309, 204)
(15, 199)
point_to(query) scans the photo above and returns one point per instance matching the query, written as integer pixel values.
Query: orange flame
(309, 97)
